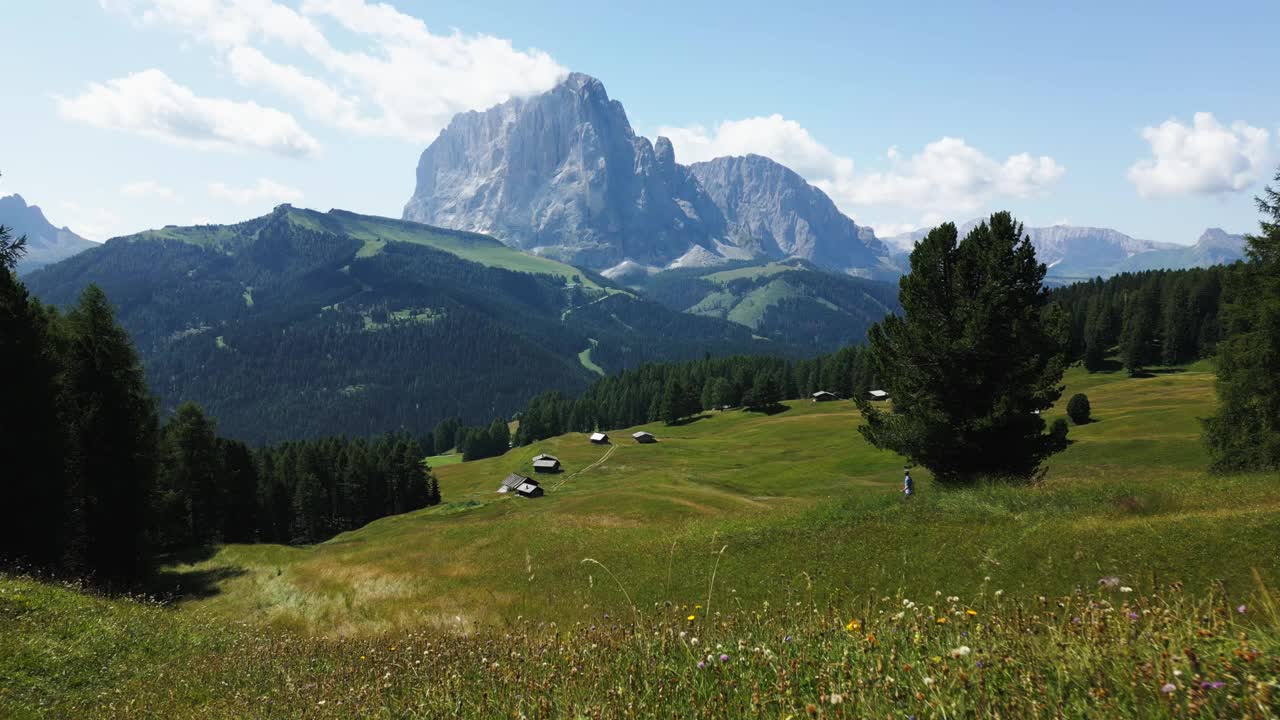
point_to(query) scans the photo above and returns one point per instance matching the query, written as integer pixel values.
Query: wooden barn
(521, 485)
(878, 395)
(545, 463)
(599, 438)
(644, 437)
(824, 396)
(530, 489)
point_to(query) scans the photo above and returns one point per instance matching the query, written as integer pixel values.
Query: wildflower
(961, 651)
(1214, 685)
(1126, 589)
(693, 641)
(999, 593)
(691, 618)
(724, 658)
(1241, 609)
(786, 639)
(836, 698)
(702, 664)
(942, 621)
(852, 625)
(971, 612)
(928, 681)
(1133, 615)
(1168, 688)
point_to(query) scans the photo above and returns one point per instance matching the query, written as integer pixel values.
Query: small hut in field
(545, 463)
(599, 438)
(644, 437)
(878, 395)
(521, 485)
(530, 489)
(824, 396)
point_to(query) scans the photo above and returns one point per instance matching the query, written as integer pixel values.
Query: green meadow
(745, 565)
(775, 505)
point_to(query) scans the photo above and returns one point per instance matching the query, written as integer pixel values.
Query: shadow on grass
(690, 420)
(769, 409)
(176, 585)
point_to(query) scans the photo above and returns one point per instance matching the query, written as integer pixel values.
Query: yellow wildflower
(692, 618)
(853, 625)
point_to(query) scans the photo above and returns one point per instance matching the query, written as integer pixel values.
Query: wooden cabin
(824, 396)
(545, 463)
(644, 437)
(599, 438)
(878, 395)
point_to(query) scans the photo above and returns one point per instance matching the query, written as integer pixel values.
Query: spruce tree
(114, 431)
(971, 361)
(1138, 333)
(191, 470)
(1245, 432)
(33, 509)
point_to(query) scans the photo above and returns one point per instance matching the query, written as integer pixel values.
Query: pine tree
(1096, 331)
(970, 361)
(114, 432)
(1245, 432)
(33, 509)
(191, 470)
(1137, 334)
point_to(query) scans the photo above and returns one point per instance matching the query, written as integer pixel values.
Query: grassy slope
(799, 500)
(832, 597)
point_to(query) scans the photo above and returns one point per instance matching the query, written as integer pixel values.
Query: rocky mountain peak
(563, 174)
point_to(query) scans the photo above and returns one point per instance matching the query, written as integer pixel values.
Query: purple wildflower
(1133, 615)
(724, 658)
(1241, 609)
(786, 639)
(702, 664)
(1215, 685)
(1168, 688)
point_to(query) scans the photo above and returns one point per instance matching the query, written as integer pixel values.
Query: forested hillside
(1158, 317)
(791, 302)
(301, 324)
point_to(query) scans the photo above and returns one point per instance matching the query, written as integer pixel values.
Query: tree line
(671, 392)
(1157, 317)
(95, 485)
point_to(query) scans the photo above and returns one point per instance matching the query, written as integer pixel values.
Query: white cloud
(947, 178)
(1207, 158)
(403, 82)
(147, 189)
(264, 190)
(98, 224)
(149, 103)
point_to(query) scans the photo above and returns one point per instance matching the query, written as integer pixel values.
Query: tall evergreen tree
(1138, 331)
(114, 427)
(1245, 432)
(1096, 332)
(971, 361)
(33, 510)
(190, 477)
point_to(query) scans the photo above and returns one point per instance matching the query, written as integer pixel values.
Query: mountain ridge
(564, 175)
(1082, 252)
(46, 243)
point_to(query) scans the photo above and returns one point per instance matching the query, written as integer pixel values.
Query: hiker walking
(908, 486)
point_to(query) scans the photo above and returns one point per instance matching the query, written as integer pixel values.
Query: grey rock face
(771, 210)
(46, 244)
(563, 174)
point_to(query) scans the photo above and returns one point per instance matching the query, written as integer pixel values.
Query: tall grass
(1101, 652)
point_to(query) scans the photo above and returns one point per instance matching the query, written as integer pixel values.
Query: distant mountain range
(1082, 253)
(46, 244)
(303, 324)
(562, 174)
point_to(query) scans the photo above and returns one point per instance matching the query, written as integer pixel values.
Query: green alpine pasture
(774, 504)
(746, 565)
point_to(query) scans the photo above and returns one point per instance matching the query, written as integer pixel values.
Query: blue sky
(1158, 119)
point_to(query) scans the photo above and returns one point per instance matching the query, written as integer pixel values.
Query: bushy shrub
(1059, 430)
(1078, 409)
